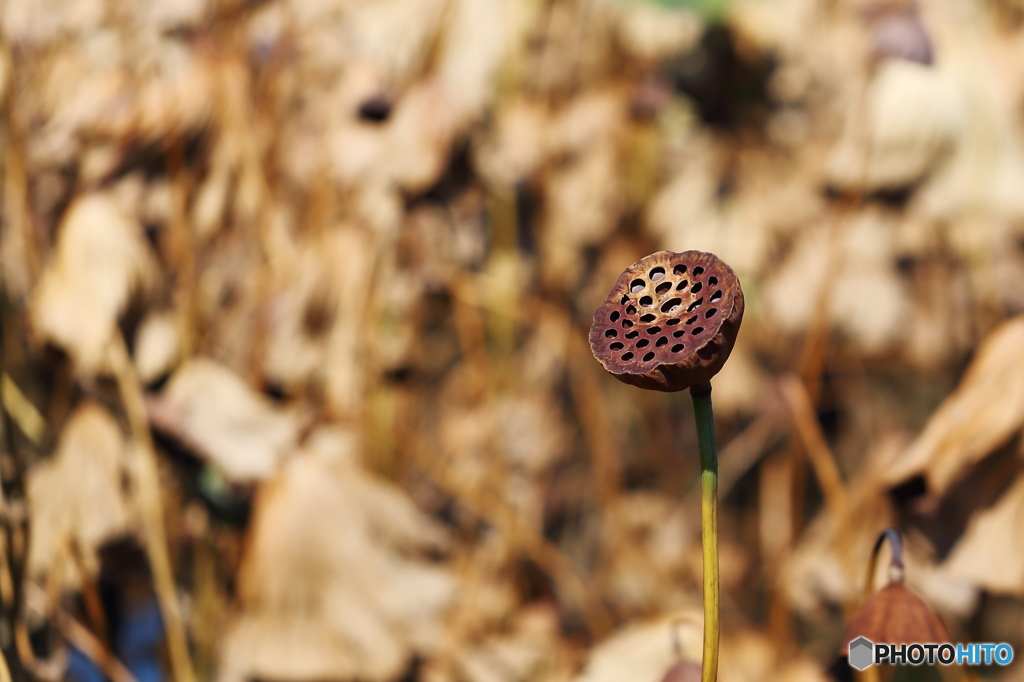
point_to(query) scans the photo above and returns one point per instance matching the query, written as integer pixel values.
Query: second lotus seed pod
(670, 321)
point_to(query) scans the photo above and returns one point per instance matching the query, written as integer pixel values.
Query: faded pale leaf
(330, 587)
(643, 652)
(213, 411)
(989, 554)
(156, 346)
(650, 32)
(101, 258)
(911, 122)
(530, 652)
(77, 495)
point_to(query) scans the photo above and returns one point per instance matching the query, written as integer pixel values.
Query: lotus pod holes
(655, 294)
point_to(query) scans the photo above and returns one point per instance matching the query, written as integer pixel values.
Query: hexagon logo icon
(862, 652)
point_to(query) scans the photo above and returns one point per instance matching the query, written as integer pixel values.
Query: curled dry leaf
(100, 260)
(212, 410)
(983, 413)
(77, 497)
(330, 586)
(988, 554)
(911, 122)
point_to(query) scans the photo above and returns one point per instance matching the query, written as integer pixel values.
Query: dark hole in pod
(679, 333)
(673, 322)
(626, 357)
(717, 296)
(631, 310)
(697, 286)
(679, 269)
(614, 316)
(624, 300)
(671, 304)
(633, 334)
(710, 313)
(663, 341)
(616, 346)
(627, 324)
(663, 288)
(697, 330)
(649, 317)
(649, 357)
(636, 286)
(678, 347)
(611, 334)
(695, 304)
(692, 320)
(682, 285)
(712, 281)
(643, 343)
(654, 330)
(656, 274)
(646, 301)
(698, 270)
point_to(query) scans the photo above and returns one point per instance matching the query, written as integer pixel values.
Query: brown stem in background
(812, 438)
(147, 480)
(601, 441)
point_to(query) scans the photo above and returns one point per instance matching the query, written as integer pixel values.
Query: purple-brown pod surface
(670, 321)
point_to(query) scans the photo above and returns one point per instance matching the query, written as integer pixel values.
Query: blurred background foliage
(295, 295)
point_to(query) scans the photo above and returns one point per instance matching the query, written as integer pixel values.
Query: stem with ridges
(705, 417)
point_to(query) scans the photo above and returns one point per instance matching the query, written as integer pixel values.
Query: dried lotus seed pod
(895, 615)
(670, 321)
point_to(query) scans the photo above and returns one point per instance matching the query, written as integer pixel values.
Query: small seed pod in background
(669, 322)
(894, 614)
(897, 32)
(683, 670)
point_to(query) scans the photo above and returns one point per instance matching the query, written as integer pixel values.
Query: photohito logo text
(864, 653)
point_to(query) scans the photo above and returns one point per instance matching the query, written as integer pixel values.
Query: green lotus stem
(705, 417)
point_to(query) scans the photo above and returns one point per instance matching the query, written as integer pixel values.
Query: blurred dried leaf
(157, 346)
(100, 260)
(330, 587)
(649, 32)
(78, 495)
(644, 653)
(211, 410)
(530, 651)
(987, 554)
(911, 122)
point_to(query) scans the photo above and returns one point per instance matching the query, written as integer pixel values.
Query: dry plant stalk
(147, 480)
(813, 440)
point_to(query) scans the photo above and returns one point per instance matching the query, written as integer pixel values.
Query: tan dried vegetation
(294, 308)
